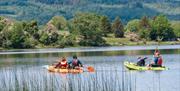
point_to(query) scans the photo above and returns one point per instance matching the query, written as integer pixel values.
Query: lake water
(22, 70)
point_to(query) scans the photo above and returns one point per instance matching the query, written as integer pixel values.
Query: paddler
(63, 64)
(75, 63)
(141, 61)
(156, 56)
(160, 61)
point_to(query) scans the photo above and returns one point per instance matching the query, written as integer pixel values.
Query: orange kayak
(52, 69)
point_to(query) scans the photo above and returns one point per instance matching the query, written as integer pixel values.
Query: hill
(44, 10)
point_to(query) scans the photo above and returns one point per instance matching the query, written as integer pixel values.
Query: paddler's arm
(69, 62)
(79, 62)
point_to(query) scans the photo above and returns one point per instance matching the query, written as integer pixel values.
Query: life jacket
(75, 62)
(141, 62)
(64, 64)
(156, 54)
(160, 61)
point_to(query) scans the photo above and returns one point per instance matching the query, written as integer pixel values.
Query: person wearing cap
(63, 64)
(75, 63)
(141, 61)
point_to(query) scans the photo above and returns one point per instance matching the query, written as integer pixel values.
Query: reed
(21, 79)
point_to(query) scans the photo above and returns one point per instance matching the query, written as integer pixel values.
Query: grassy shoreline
(127, 42)
(112, 42)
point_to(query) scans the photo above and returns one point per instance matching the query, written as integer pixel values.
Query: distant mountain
(44, 10)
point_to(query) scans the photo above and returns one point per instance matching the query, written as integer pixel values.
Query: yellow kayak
(52, 69)
(133, 66)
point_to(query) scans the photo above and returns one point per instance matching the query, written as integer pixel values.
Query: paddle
(90, 68)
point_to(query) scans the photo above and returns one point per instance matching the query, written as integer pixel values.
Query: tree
(1, 26)
(133, 26)
(88, 26)
(66, 41)
(161, 29)
(144, 22)
(59, 22)
(105, 25)
(144, 33)
(31, 28)
(14, 37)
(48, 38)
(1, 38)
(144, 28)
(176, 28)
(118, 28)
(18, 37)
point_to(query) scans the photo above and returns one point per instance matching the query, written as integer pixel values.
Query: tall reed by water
(22, 79)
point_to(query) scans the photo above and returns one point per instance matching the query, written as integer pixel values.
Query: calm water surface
(22, 70)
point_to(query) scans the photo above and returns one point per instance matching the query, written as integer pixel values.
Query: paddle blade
(90, 69)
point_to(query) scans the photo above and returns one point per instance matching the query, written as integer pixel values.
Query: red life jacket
(75, 62)
(64, 64)
(160, 61)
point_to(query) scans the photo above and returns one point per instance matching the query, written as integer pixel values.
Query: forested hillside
(44, 10)
(87, 29)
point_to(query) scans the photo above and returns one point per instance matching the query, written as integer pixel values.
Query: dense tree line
(44, 10)
(84, 29)
(156, 28)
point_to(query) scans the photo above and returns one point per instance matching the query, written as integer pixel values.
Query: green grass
(126, 41)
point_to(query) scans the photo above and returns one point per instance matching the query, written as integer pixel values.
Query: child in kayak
(156, 56)
(62, 63)
(141, 61)
(75, 63)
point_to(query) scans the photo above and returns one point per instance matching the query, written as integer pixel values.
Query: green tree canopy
(1, 26)
(118, 28)
(144, 28)
(144, 22)
(161, 29)
(176, 28)
(48, 38)
(133, 25)
(105, 25)
(88, 25)
(15, 37)
(31, 28)
(59, 22)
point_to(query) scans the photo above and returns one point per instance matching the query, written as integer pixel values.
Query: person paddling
(75, 63)
(156, 56)
(62, 63)
(160, 61)
(141, 61)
